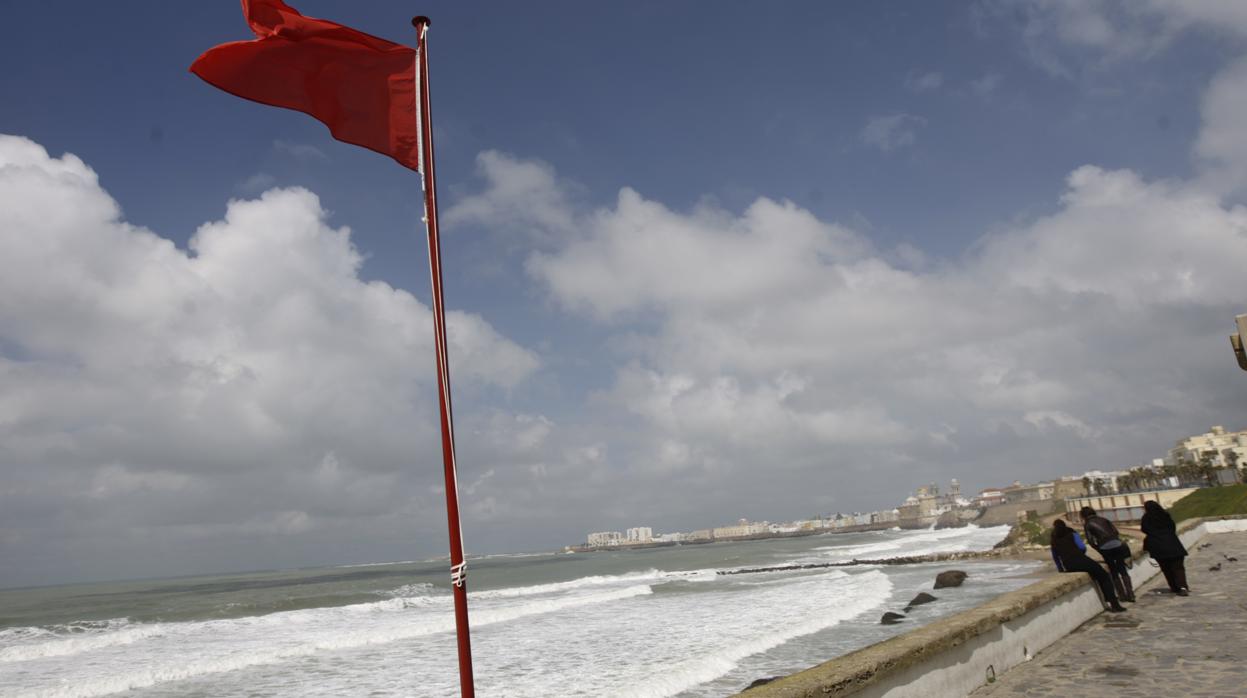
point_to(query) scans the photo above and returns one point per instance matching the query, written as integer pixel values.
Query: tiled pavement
(1165, 645)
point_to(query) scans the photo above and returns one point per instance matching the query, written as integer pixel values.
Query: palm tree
(1188, 471)
(1125, 483)
(1208, 466)
(1134, 480)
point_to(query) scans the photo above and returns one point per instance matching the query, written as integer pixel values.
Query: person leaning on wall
(1070, 555)
(1162, 543)
(1101, 534)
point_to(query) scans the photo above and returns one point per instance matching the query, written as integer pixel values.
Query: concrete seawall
(955, 655)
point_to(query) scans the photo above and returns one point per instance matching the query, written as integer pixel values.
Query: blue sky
(713, 261)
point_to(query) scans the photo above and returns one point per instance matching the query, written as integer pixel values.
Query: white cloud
(300, 151)
(926, 82)
(1134, 242)
(257, 183)
(655, 256)
(1068, 38)
(520, 195)
(986, 85)
(891, 131)
(768, 346)
(1056, 419)
(150, 393)
(1225, 17)
(739, 357)
(1222, 143)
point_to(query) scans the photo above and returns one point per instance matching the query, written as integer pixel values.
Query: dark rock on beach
(891, 618)
(949, 578)
(921, 598)
(760, 682)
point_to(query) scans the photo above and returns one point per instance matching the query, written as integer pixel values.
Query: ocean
(643, 623)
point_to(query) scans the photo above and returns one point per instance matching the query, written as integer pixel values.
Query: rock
(760, 682)
(921, 598)
(949, 578)
(950, 519)
(891, 618)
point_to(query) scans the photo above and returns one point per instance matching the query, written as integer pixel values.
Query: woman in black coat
(1162, 543)
(1070, 555)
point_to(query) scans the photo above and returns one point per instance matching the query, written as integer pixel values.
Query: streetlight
(1238, 340)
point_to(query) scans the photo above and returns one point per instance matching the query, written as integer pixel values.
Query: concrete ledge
(955, 655)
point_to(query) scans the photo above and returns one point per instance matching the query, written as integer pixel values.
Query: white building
(641, 534)
(1226, 448)
(886, 516)
(1103, 482)
(605, 538)
(743, 527)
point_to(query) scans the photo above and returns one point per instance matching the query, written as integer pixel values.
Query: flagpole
(458, 567)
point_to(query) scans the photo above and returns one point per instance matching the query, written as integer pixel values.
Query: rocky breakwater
(943, 580)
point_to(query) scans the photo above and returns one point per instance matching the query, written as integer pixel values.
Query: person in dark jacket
(1070, 555)
(1162, 543)
(1101, 534)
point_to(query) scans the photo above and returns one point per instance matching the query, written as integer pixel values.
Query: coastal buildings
(1038, 492)
(884, 517)
(925, 507)
(643, 534)
(1215, 457)
(990, 497)
(741, 529)
(1123, 507)
(605, 539)
(1068, 486)
(1219, 447)
(1101, 482)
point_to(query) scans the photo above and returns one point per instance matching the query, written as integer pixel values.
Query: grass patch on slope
(1211, 501)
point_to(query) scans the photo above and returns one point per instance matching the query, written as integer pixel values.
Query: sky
(703, 262)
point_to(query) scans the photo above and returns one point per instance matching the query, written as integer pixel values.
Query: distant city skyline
(699, 259)
(1217, 446)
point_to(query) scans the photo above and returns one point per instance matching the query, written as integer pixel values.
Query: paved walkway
(1166, 645)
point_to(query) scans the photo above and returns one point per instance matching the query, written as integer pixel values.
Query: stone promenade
(1166, 645)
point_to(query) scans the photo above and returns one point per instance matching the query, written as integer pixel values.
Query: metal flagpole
(458, 567)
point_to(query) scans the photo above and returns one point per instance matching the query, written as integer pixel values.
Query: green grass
(1211, 501)
(1035, 533)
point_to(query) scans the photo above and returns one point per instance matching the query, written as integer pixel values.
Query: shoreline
(953, 656)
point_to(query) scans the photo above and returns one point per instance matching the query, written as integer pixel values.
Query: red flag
(361, 87)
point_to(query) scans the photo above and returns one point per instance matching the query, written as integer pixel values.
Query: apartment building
(1225, 448)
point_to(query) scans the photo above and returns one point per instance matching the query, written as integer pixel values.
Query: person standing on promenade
(1070, 555)
(1101, 534)
(1162, 543)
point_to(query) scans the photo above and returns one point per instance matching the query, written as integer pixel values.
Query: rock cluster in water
(922, 598)
(951, 578)
(945, 579)
(891, 618)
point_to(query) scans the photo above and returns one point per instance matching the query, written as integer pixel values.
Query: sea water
(644, 623)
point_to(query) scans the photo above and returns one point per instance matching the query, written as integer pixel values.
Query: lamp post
(1238, 340)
